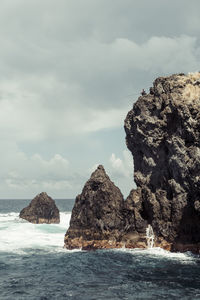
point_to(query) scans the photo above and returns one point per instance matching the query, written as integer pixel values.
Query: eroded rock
(97, 217)
(163, 134)
(42, 209)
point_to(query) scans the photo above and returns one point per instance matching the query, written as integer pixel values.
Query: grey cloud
(88, 93)
(106, 20)
(69, 68)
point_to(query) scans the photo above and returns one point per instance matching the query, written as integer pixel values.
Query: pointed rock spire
(97, 213)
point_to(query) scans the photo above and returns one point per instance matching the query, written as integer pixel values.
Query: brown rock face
(163, 134)
(42, 209)
(97, 217)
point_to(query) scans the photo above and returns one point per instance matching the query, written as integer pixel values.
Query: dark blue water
(54, 273)
(17, 205)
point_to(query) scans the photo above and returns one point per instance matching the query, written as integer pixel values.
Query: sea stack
(42, 209)
(97, 217)
(163, 134)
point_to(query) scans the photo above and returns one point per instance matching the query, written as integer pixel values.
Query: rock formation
(97, 219)
(163, 134)
(102, 219)
(42, 209)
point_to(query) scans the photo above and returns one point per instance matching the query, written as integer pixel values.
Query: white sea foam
(184, 258)
(17, 235)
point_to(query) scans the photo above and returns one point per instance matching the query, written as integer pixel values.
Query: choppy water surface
(34, 265)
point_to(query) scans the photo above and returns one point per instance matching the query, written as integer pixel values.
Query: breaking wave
(17, 234)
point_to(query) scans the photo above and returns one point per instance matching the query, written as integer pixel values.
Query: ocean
(34, 265)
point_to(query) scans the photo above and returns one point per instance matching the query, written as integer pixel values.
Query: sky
(70, 72)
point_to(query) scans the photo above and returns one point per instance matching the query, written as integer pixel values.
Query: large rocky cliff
(163, 134)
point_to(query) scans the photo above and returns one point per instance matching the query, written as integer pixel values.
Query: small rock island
(42, 209)
(163, 135)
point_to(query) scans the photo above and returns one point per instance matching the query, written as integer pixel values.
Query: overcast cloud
(70, 71)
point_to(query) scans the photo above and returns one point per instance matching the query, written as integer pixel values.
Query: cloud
(71, 70)
(122, 167)
(121, 171)
(23, 175)
(88, 93)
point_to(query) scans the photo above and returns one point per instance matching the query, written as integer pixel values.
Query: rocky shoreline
(163, 135)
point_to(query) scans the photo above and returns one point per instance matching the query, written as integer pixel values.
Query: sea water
(34, 265)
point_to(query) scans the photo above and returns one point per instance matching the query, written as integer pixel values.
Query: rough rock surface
(97, 217)
(163, 134)
(42, 209)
